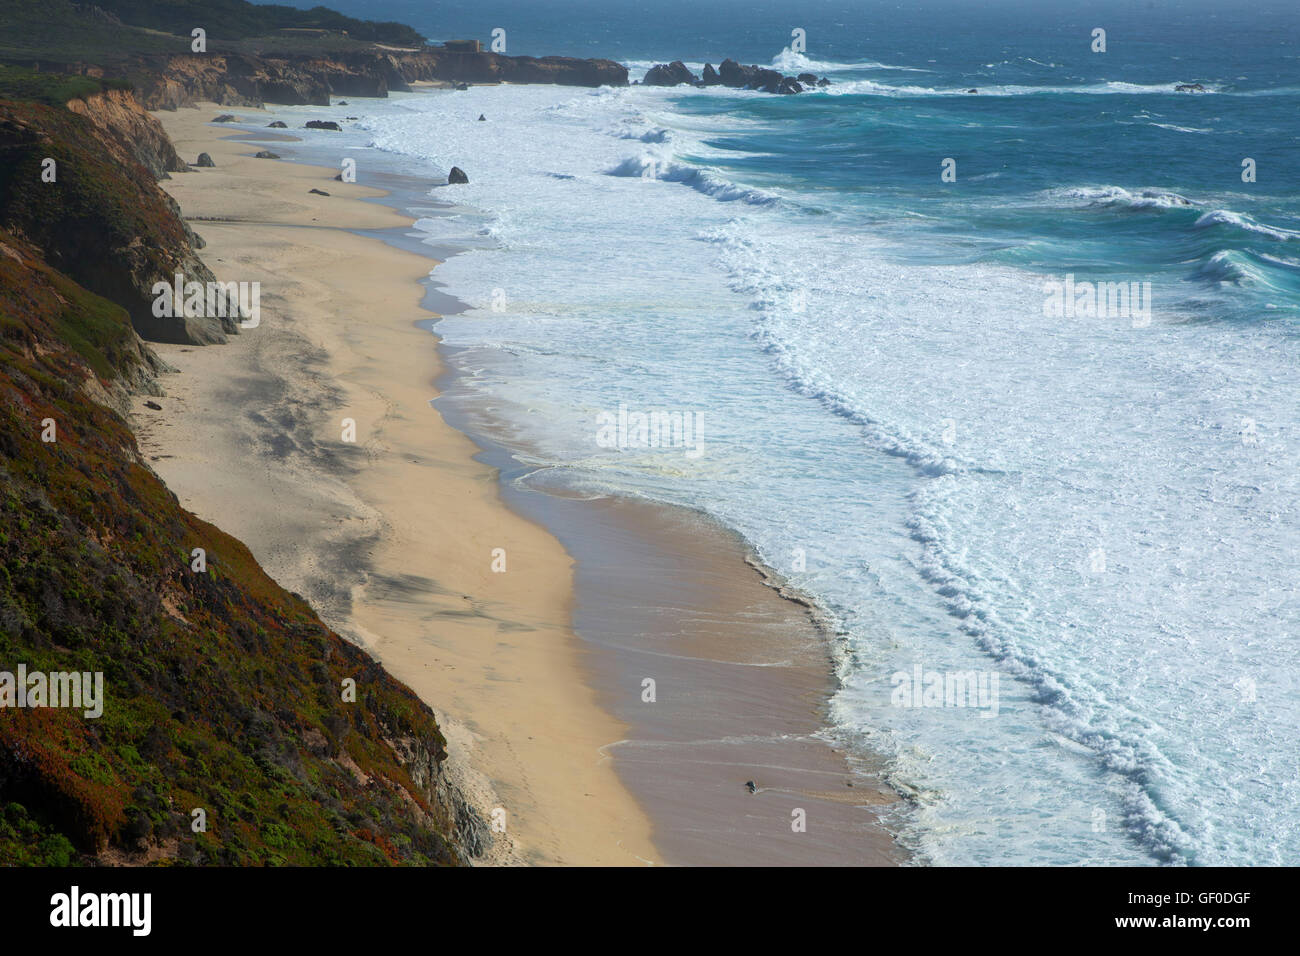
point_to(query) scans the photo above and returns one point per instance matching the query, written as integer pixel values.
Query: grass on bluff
(237, 19)
(110, 31)
(51, 89)
(55, 31)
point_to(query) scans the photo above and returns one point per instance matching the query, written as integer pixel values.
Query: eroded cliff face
(497, 68)
(169, 82)
(102, 219)
(130, 131)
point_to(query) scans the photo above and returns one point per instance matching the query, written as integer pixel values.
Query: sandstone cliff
(130, 131)
(168, 82)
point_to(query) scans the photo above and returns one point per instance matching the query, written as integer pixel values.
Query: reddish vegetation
(222, 690)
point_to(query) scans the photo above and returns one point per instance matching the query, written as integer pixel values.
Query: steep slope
(102, 220)
(221, 691)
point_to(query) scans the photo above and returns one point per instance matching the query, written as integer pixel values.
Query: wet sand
(537, 673)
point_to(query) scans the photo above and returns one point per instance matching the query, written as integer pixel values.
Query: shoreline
(389, 537)
(673, 762)
(743, 673)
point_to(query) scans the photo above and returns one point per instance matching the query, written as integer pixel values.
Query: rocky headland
(734, 75)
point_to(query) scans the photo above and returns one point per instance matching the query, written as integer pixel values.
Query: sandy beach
(393, 537)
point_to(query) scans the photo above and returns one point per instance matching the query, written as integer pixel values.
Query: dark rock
(1189, 88)
(318, 192)
(710, 76)
(349, 117)
(341, 103)
(323, 124)
(482, 118)
(226, 118)
(456, 176)
(807, 79)
(265, 154)
(460, 86)
(753, 77)
(205, 161)
(462, 69)
(736, 76)
(154, 405)
(276, 125)
(674, 74)
(823, 82)
(972, 91)
(749, 785)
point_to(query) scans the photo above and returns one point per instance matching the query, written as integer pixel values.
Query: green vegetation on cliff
(237, 19)
(222, 692)
(60, 31)
(52, 89)
(103, 221)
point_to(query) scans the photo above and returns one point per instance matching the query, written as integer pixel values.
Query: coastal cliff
(248, 80)
(127, 130)
(72, 183)
(255, 55)
(234, 726)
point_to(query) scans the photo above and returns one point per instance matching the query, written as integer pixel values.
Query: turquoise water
(1099, 509)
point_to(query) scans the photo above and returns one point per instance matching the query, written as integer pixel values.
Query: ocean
(1055, 524)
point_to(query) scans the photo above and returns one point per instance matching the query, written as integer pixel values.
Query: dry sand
(391, 540)
(390, 537)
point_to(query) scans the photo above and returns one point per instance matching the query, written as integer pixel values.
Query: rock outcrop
(752, 77)
(672, 74)
(128, 130)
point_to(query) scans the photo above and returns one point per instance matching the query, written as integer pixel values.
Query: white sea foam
(1106, 515)
(794, 63)
(1107, 88)
(1226, 217)
(1117, 196)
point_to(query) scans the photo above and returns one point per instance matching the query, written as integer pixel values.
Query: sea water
(1092, 512)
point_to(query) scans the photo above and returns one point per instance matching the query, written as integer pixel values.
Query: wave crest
(700, 178)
